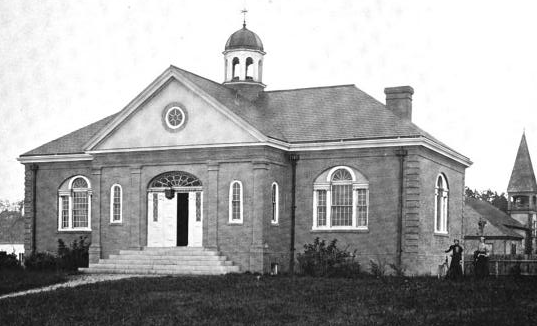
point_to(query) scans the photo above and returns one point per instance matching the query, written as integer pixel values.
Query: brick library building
(243, 177)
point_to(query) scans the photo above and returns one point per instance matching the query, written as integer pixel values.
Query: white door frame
(159, 230)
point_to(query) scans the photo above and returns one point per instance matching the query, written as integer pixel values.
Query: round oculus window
(175, 117)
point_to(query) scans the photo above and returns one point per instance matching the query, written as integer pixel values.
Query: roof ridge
(306, 88)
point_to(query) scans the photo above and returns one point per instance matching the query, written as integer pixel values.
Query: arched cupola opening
(249, 69)
(235, 72)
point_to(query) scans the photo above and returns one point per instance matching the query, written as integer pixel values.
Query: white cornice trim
(149, 91)
(55, 158)
(163, 148)
(304, 147)
(370, 143)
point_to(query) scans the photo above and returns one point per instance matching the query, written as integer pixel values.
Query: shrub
(319, 259)
(41, 261)
(378, 268)
(9, 261)
(398, 269)
(70, 258)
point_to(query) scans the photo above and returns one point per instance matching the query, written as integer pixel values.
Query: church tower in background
(522, 193)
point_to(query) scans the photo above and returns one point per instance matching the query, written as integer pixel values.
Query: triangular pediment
(144, 123)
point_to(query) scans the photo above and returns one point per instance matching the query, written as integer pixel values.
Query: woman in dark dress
(455, 269)
(481, 259)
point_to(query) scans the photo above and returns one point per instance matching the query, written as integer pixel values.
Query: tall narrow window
(340, 199)
(74, 197)
(321, 208)
(198, 206)
(64, 204)
(441, 204)
(116, 201)
(155, 207)
(361, 207)
(235, 202)
(275, 203)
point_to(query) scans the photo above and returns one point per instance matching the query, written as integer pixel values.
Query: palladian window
(340, 199)
(74, 205)
(441, 195)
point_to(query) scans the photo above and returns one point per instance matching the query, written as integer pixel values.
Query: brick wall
(256, 243)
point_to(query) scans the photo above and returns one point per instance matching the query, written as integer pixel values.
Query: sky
(65, 64)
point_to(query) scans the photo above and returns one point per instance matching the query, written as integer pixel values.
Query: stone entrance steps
(166, 261)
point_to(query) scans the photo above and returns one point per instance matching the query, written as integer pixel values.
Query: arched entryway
(174, 210)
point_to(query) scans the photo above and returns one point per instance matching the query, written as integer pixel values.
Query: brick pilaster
(211, 207)
(95, 252)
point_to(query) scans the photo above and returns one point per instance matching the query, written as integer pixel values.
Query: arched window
(249, 68)
(74, 205)
(235, 202)
(116, 203)
(441, 204)
(340, 199)
(234, 68)
(275, 195)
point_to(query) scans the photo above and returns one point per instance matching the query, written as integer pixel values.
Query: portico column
(95, 252)
(135, 214)
(211, 206)
(260, 215)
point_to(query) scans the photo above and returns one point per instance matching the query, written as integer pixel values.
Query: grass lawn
(243, 300)
(14, 281)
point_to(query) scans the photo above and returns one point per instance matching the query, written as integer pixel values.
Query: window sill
(234, 223)
(340, 230)
(116, 223)
(274, 224)
(441, 234)
(73, 230)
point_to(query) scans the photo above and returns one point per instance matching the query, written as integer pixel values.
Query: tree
(492, 197)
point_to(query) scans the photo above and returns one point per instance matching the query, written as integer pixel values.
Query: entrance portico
(174, 210)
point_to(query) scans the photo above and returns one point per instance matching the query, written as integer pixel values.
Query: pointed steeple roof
(522, 177)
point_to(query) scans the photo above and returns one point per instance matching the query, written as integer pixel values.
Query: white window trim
(276, 218)
(328, 188)
(442, 229)
(112, 204)
(231, 220)
(69, 193)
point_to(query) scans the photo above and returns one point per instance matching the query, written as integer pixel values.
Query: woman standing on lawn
(455, 269)
(481, 259)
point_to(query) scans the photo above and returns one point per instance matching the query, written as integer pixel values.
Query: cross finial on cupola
(244, 11)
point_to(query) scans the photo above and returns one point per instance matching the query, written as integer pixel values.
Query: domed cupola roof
(245, 39)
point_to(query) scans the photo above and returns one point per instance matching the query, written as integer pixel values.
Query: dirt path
(74, 280)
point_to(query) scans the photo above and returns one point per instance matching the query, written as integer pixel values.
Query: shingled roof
(496, 217)
(522, 177)
(319, 114)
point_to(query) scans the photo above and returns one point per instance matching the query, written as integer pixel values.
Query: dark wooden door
(182, 219)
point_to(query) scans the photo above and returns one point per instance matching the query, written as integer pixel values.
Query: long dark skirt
(455, 270)
(481, 267)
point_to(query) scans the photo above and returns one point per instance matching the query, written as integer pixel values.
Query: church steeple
(243, 56)
(522, 177)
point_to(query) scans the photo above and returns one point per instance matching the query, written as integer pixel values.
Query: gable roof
(522, 178)
(72, 143)
(308, 115)
(494, 216)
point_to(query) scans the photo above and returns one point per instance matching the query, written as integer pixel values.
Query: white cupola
(243, 59)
